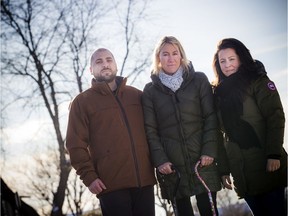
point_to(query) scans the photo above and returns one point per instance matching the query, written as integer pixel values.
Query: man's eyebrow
(101, 59)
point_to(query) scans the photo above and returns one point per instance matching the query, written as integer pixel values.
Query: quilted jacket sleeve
(270, 106)
(156, 149)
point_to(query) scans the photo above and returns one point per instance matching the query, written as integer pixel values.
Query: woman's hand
(273, 165)
(165, 168)
(206, 160)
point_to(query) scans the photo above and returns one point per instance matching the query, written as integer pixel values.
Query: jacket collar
(103, 87)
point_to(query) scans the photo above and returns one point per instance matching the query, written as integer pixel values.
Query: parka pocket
(237, 166)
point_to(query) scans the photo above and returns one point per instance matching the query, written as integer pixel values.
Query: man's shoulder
(83, 95)
(132, 89)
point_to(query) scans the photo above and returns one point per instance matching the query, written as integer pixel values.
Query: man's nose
(105, 64)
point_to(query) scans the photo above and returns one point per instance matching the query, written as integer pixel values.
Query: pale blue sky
(260, 24)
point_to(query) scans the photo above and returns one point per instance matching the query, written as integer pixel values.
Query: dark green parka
(263, 111)
(181, 127)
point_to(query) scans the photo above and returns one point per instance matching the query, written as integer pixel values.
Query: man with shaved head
(107, 144)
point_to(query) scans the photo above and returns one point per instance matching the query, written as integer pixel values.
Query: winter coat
(181, 127)
(262, 109)
(106, 137)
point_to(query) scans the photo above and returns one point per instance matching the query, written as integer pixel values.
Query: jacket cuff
(274, 156)
(89, 178)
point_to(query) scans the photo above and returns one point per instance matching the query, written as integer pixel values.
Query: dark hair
(246, 60)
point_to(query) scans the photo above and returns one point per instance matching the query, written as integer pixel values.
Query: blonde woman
(181, 128)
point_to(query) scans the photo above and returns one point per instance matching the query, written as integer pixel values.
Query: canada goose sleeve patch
(271, 86)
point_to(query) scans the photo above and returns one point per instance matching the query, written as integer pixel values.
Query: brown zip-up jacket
(106, 137)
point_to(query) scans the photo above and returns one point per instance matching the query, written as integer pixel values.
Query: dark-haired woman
(251, 113)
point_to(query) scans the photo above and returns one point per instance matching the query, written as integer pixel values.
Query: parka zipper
(131, 138)
(185, 153)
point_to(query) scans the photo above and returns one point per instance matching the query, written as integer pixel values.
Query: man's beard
(106, 79)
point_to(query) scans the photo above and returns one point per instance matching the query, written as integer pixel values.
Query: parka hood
(260, 68)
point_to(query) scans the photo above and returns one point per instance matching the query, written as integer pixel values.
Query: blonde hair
(156, 67)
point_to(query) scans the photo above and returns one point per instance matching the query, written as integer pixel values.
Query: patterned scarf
(172, 81)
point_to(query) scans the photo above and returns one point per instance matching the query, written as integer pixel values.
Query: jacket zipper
(131, 138)
(187, 158)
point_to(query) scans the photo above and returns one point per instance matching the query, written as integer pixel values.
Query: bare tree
(42, 51)
(45, 48)
(79, 197)
(163, 203)
(131, 18)
(37, 181)
(42, 180)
